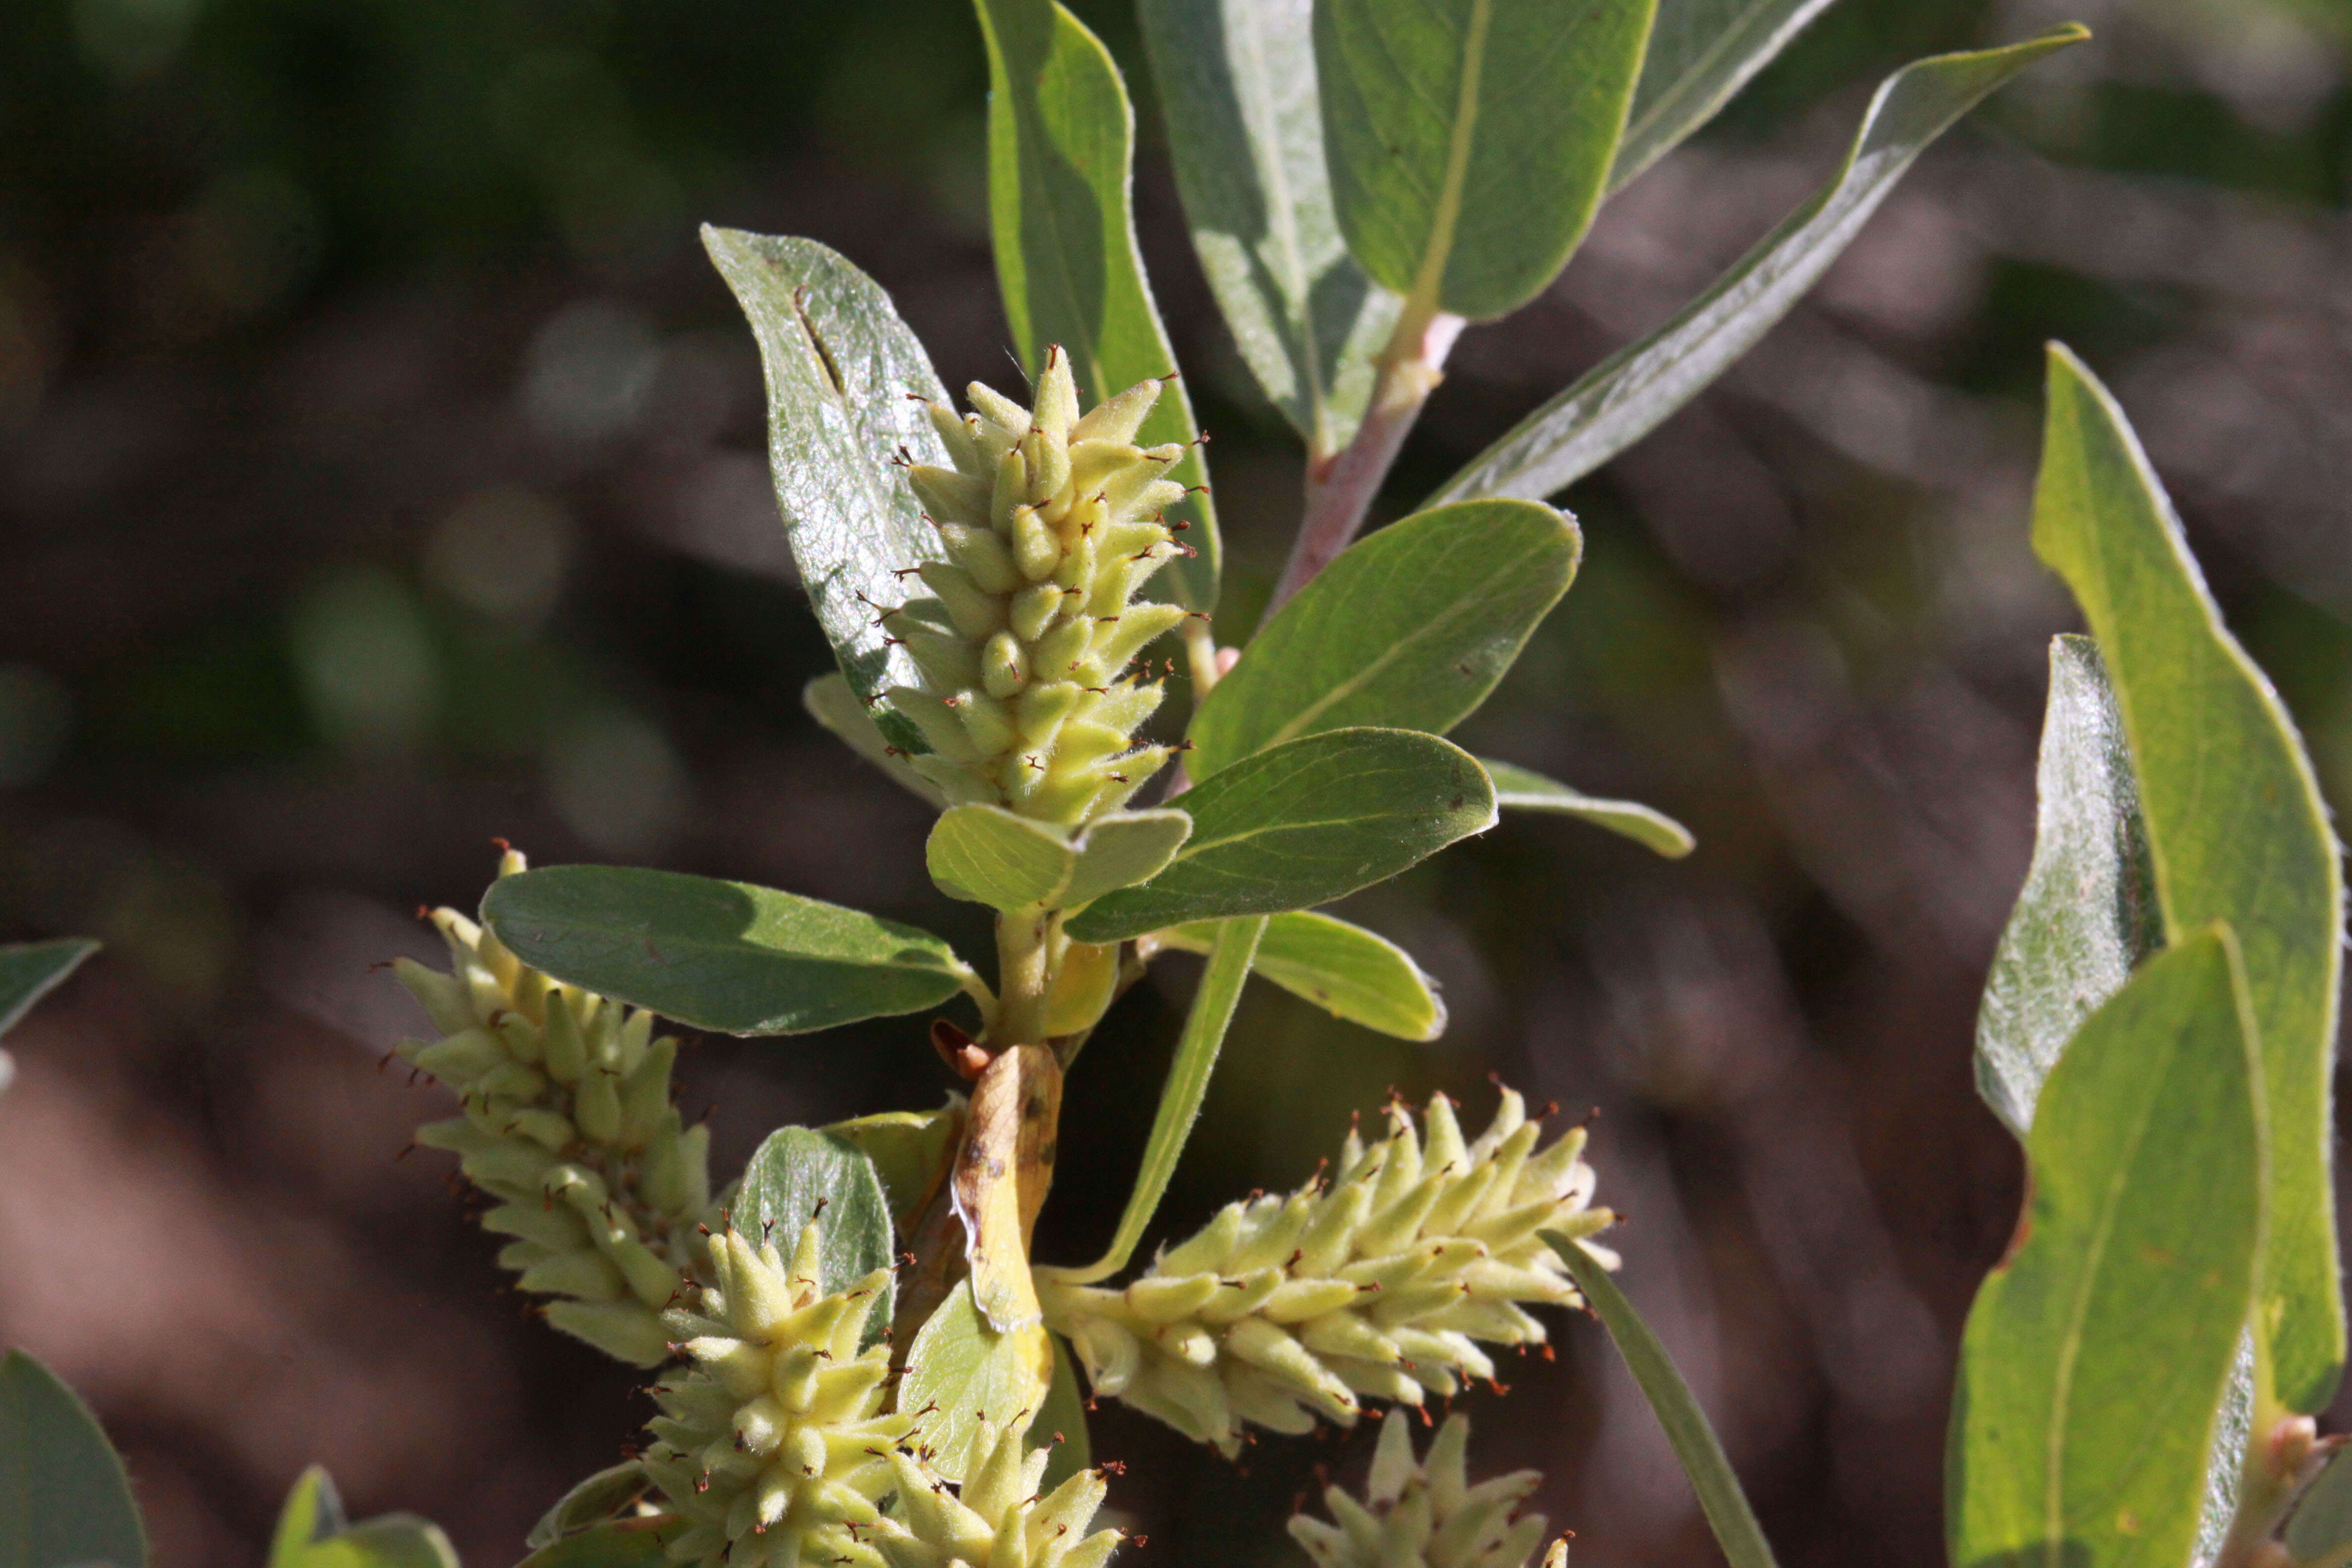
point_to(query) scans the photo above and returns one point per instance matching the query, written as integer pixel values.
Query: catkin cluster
(998, 1520)
(1051, 523)
(567, 1121)
(772, 1444)
(1425, 1515)
(1286, 1310)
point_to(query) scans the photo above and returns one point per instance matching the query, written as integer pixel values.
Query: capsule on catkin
(1051, 524)
(997, 1520)
(1289, 1310)
(772, 1444)
(567, 1121)
(1426, 1514)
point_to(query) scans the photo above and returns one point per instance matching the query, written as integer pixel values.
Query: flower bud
(1426, 1514)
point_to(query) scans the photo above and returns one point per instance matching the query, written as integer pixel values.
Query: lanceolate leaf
(63, 1496)
(2086, 915)
(29, 971)
(1061, 157)
(1686, 1428)
(840, 365)
(2096, 1355)
(1302, 824)
(1237, 82)
(805, 1173)
(1629, 393)
(1349, 972)
(1410, 628)
(1469, 140)
(728, 956)
(1701, 52)
(1524, 789)
(314, 1533)
(2235, 827)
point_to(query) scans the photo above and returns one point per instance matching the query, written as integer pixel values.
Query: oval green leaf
(960, 1369)
(1468, 141)
(1629, 394)
(842, 375)
(1236, 80)
(1061, 159)
(1410, 628)
(724, 956)
(1524, 789)
(2235, 827)
(987, 854)
(313, 1533)
(1304, 823)
(1124, 849)
(2075, 1440)
(1701, 52)
(912, 1150)
(31, 970)
(2087, 914)
(64, 1498)
(1351, 972)
(801, 1176)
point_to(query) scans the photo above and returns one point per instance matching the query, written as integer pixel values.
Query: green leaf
(1061, 157)
(1409, 628)
(968, 1370)
(1524, 789)
(831, 703)
(1701, 52)
(2087, 913)
(2097, 1353)
(31, 970)
(987, 854)
(1353, 974)
(911, 1150)
(841, 366)
(1468, 141)
(2235, 827)
(1693, 1441)
(1123, 848)
(64, 1498)
(1628, 395)
(618, 1544)
(313, 1533)
(726, 956)
(991, 855)
(601, 1497)
(2323, 1518)
(1237, 82)
(1304, 823)
(802, 1175)
(1205, 1023)
(1061, 1422)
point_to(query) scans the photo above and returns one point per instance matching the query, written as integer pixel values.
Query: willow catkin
(1289, 1310)
(1426, 1514)
(772, 1444)
(1051, 523)
(567, 1121)
(997, 1520)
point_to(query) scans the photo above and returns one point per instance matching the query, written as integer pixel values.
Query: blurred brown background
(380, 472)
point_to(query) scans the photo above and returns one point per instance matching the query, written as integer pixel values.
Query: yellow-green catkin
(772, 1444)
(998, 1520)
(567, 1121)
(1051, 522)
(1287, 1310)
(1426, 1514)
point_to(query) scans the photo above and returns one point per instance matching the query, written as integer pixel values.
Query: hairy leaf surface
(1701, 52)
(803, 1173)
(727, 956)
(2236, 831)
(1524, 789)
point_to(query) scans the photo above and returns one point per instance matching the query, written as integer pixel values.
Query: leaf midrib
(1448, 209)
